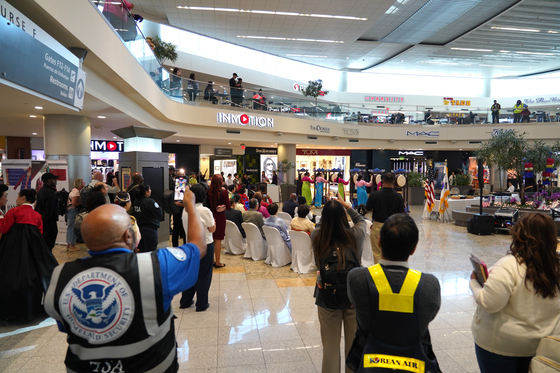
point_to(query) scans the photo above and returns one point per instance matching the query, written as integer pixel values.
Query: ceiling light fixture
(178, 140)
(290, 39)
(473, 49)
(114, 137)
(34, 133)
(552, 32)
(39, 107)
(537, 53)
(515, 29)
(33, 116)
(101, 117)
(256, 11)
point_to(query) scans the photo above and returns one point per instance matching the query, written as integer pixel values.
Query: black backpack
(62, 201)
(84, 194)
(334, 292)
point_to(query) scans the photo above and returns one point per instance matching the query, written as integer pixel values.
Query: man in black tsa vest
(394, 305)
(115, 306)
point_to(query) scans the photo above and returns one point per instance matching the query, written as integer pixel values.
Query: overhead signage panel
(384, 98)
(245, 120)
(33, 65)
(423, 133)
(106, 146)
(452, 102)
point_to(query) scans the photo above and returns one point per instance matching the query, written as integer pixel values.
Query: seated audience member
(510, 188)
(399, 324)
(262, 209)
(290, 205)
(237, 203)
(235, 215)
(243, 196)
(231, 190)
(253, 215)
(301, 222)
(252, 191)
(274, 221)
(303, 201)
(520, 301)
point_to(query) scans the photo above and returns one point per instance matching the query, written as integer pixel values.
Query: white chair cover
(278, 253)
(256, 245)
(367, 253)
(302, 253)
(286, 217)
(235, 243)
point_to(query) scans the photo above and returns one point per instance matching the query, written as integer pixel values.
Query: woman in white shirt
(204, 280)
(74, 202)
(520, 301)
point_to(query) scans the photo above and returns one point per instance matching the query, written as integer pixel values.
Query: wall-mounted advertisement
(229, 166)
(268, 164)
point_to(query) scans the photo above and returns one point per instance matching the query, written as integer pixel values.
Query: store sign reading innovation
(245, 120)
(106, 146)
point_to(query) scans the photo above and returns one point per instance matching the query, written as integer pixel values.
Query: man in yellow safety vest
(517, 109)
(394, 305)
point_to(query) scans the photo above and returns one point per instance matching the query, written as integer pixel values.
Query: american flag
(485, 202)
(443, 199)
(429, 192)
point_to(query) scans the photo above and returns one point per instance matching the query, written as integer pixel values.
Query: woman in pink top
(341, 184)
(361, 185)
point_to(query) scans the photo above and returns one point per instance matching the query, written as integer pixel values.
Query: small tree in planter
(463, 181)
(286, 188)
(163, 50)
(416, 188)
(314, 89)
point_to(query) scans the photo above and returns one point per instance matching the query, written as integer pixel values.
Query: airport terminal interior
(343, 87)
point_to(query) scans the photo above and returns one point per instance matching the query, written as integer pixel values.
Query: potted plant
(163, 50)
(463, 183)
(416, 188)
(314, 89)
(285, 178)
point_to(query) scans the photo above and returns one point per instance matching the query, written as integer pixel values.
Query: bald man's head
(107, 227)
(97, 176)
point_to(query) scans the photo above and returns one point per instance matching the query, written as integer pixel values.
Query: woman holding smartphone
(520, 301)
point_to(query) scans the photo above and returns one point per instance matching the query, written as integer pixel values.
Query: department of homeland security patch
(98, 305)
(179, 254)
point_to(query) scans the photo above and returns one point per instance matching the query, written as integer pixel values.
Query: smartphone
(180, 185)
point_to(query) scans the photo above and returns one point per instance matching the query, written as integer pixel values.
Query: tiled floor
(264, 320)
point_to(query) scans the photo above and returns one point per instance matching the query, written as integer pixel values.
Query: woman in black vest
(148, 214)
(337, 249)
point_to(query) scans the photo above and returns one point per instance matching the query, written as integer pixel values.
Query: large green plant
(462, 180)
(507, 150)
(415, 179)
(164, 51)
(314, 89)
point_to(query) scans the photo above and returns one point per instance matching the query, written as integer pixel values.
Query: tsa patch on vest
(179, 254)
(98, 305)
(394, 362)
(156, 205)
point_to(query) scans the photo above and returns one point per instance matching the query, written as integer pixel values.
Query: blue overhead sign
(33, 65)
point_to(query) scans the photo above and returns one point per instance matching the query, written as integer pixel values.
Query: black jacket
(237, 217)
(147, 212)
(47, 204)
(289, 207)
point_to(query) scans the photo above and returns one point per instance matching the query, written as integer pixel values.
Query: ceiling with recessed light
(478, 38)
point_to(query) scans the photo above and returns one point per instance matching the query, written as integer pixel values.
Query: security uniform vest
(394, 344)
(496, 107)
(518, 108)
(112, 309)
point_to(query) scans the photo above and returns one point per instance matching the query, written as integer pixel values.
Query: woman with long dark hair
(337, 249)
(218, 202)
(520, 301)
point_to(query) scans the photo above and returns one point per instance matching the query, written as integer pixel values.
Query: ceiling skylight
(234, 10)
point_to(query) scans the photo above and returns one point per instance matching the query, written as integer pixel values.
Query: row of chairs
(274, 251)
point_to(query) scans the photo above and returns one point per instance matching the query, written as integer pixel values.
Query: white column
(288, 152)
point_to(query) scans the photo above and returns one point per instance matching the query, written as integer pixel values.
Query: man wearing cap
(47, 206)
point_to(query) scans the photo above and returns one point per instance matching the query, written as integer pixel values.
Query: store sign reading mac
(245, 119)
(423, 133)
(411, 152)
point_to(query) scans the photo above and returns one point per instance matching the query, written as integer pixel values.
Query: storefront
(105, 156)
(328, 159)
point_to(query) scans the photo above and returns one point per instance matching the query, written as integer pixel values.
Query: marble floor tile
(310, 281)
(291, 367)
(270, 317)
(260, 368)
(262, 284)
(44, 364)
(289, 282)
(13, 364)
(465, 357)
(284, 351)
(202, 357)
(272, 304)
(240, 354)
(280, 332)
(450, 338)
(229, 269)
(197, 337)
(238, 334)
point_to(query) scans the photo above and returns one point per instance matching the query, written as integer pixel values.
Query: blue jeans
(70, 217)
(489, 362)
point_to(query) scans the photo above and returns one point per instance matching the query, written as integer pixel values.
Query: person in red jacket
(26, 262)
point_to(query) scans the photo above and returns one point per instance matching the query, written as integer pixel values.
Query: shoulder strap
(403, 301)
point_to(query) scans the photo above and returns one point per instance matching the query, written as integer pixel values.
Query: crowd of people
(385, 309)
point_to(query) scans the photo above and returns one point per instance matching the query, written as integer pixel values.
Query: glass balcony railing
(247, 96)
